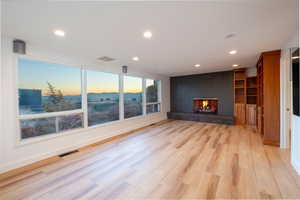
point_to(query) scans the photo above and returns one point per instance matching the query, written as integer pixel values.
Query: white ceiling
(184, 33)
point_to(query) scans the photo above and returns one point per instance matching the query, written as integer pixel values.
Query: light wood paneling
(27, 168)
(272, 98)
(173, 160)
(269, 96)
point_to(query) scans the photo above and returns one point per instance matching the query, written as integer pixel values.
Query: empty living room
(149, 100)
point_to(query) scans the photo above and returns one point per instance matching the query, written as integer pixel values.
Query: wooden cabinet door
(271, 99)
(239, 113)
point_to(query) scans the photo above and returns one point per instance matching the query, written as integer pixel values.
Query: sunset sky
(36, 74)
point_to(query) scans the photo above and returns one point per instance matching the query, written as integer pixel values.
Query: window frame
(159, 103)
(86, 98)
(143, 96)
(84, 103)
(50, 114)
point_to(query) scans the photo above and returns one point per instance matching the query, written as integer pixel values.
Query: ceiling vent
(106, 59)
(232, 35)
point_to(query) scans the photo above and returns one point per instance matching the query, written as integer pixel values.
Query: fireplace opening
(205, 105)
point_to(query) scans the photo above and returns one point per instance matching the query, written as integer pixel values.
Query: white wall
(295, 144)
(1, 106)
(251, 71)
(286, 98)
(14, 154)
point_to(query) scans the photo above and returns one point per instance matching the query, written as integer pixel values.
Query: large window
(103, 97)
(133, 93)
(54, 98)
(152, 96)
(48, 88)
(45, 87)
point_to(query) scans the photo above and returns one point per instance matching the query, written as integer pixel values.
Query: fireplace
(205, 105)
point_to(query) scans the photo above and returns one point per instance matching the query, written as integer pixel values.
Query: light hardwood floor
(173, 160)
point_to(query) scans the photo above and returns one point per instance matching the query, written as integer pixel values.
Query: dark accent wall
(213, 85)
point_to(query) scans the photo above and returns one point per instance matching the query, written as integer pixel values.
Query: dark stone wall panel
(213, 85)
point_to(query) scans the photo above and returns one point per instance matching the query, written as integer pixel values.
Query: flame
(205, 103)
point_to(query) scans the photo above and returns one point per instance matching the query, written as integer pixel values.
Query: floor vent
(68, 153)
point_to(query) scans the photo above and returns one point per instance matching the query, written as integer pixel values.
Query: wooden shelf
(240, 83)
(245, 97)
(239, 74)
(251, 90)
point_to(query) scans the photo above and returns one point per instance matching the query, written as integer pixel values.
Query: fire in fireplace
(205, 105)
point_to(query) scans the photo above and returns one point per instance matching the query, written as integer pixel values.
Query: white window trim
(84, 101)
(121, 97)
(143, 97)
(153, 103)
(84, 105)
(159, 102)
(120, 90)
(23, 141)
(50, 114)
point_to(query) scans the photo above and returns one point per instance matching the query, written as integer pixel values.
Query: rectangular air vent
(68, 153)
(106, 59)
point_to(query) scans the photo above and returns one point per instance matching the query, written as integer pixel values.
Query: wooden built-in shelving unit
(251, 100)
(245, 98)
(257, 98)
(251, 91)
(239, 95)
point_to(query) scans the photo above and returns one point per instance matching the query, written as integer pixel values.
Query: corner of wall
(296, 165)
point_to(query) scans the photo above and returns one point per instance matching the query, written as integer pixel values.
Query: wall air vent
(106, 59)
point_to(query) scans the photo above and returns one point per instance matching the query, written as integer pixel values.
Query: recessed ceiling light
(232, 52)
(147, 34)
(59, 33)
(197, 65)
(135, 58)
(235, 65)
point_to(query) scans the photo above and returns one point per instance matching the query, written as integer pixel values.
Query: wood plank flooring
(173, 160)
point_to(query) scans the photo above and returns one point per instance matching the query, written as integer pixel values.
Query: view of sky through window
(35, 75)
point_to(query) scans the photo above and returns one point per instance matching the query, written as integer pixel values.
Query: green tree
(56, 101)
